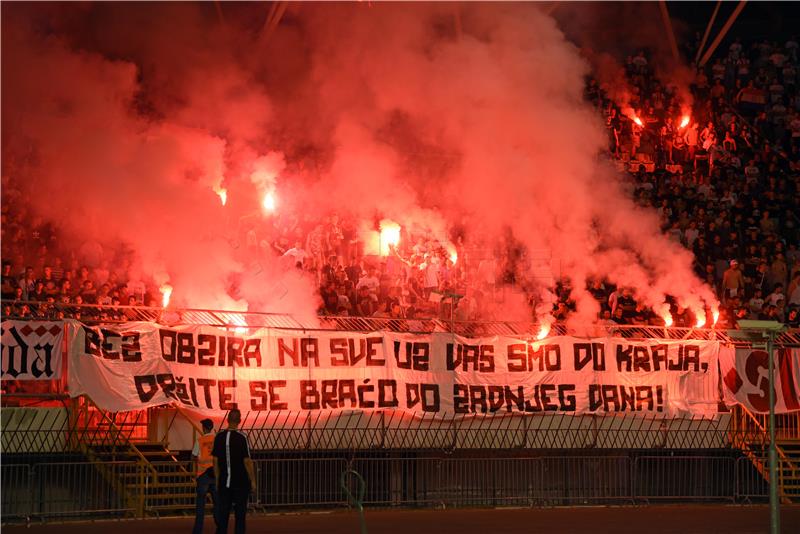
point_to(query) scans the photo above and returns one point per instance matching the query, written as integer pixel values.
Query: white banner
(745, 375)
(135, 365)
(32, 350)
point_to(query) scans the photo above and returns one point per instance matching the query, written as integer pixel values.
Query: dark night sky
(772, 20)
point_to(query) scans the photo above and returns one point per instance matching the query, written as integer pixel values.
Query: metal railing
(97, 313)
(447, 482)
(391, 430)
(394, 430)
(94, 314)
(56, 491)
(67, 490)
(79, 425)
(92, 426)
(751, 485)
(669, 478)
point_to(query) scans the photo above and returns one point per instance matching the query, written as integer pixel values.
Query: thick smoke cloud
(408, 117)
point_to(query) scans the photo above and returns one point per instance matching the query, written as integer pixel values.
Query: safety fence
(395, 430)
(62, 429)
(249, 320)
(57, 491)
(68, 490)
(67, 428)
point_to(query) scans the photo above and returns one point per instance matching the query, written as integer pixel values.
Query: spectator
(776, 296)
(371, 282)
(9, 281)
(732, 281)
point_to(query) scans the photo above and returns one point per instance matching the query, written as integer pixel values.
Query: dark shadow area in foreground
(730, 519)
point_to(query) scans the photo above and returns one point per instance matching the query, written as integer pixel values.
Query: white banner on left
(32, 350)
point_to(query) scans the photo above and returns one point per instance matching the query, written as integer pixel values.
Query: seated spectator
(793, 317)
(366, 305)
(776, 295)
(756, 304)
(9, 281)
(371, 282)
(89, 293)
(381, 309)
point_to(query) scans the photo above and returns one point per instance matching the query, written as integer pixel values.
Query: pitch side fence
(69, 490)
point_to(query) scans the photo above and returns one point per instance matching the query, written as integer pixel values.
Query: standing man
(733, 282)
(204, 469)
(233, 469)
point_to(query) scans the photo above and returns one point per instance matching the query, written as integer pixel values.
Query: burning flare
(638, 121)
(239, 320)
(166, 293)
(715, 315)
(222, 193)
(390, 236)
(684, 121)
(701, 318)
(545, 322)
(544, 330)
(663, 312)
(269, 202)
(452, 252)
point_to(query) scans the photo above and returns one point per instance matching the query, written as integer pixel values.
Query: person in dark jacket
(233, 470)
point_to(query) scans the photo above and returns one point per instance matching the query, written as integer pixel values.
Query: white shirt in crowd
(370, 282)
(297, 253)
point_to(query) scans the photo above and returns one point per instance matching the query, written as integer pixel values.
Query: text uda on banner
(135, 365)
(32, 350)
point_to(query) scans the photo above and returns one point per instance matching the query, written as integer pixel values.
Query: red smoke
(139, 124)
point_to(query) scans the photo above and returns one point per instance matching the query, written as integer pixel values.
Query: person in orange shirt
(204, 469)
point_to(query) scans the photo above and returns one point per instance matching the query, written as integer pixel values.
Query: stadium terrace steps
(172, 489)
(750, 434)
(788, 466)
(790, 472)
(160, 483)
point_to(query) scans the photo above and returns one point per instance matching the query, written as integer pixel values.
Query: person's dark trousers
(235, 498)
(205, 484)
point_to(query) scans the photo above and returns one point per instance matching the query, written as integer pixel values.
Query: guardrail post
(142, 489)
(30, 499)
(383, 430)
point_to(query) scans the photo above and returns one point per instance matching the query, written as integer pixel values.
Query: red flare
(701, 318)
(166, 293)
(269, 202)
(544, 330)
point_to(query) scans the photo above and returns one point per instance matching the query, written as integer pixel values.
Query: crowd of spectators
(725, 185)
